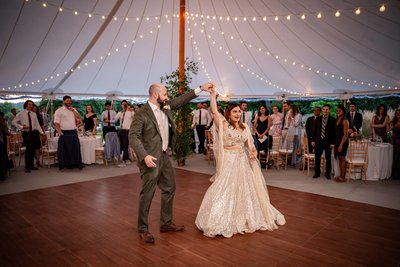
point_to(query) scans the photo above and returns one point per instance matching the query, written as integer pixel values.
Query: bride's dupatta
(218, 145)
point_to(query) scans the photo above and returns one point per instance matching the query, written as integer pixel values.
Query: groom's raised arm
(185, 98)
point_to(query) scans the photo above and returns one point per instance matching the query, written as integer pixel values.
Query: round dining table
(88, 146)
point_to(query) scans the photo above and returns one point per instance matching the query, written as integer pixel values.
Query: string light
(292, 62)
(254, 19)
(87, 63)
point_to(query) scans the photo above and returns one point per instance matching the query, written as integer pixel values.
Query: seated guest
(90, 120)
(125, 117)
(27, 122)
(108, 119)
(355, 120)
(69, 148)
(262, 124)
(380, 123)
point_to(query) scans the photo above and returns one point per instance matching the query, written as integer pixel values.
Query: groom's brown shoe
(147, 237)
(172, 228)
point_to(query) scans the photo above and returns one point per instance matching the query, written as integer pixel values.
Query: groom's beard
(161, 103)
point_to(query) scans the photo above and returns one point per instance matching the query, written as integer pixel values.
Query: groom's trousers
(164, 176)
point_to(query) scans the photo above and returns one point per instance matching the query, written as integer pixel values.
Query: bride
(237, 201)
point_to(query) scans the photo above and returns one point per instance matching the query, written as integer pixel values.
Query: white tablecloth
(379, 162)
(88, 146)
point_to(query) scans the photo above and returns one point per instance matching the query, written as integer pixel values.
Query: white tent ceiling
(248, 48)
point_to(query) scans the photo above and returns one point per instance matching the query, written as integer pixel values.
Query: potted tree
(182, 116)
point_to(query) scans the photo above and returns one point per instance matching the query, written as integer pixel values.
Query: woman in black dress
(90, 120)
(341, 142)
(380, 123)
(262, 123)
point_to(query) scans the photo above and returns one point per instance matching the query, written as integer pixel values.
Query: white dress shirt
(22, 119)
(113, 114)
(162, 121)
(205, 117)
(125, 119)
(65, 118)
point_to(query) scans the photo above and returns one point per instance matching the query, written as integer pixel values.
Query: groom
(152, 132)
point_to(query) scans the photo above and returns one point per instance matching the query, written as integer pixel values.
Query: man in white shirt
(201, 122)
(152, 131)
(125, 117)
(246, 115)
(69, 148)
(108, 119)
(27, 122)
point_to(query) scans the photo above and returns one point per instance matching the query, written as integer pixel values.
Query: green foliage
(182, 116)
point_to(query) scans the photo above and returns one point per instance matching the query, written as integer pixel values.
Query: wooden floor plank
(94, 224)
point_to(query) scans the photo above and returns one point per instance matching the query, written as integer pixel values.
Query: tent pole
(182, 16)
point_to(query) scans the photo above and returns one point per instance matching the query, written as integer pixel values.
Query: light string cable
(209, 50)
(154, 47)
(41, 45)
(343, 51)
(109, 49)
(382, 17)
(283, 43)
(298, 37)
(358, 42)
(12, 31)
(229, 50)
(69, 47)
(191, 43)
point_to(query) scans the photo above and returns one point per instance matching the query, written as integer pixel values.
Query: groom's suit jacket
(144, 134)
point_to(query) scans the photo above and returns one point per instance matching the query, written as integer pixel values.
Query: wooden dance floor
(94, 224)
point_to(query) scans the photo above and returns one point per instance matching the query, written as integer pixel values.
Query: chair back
(358, 150)
(209, 138)
(305, 146)
(111, 148)
(276, 143)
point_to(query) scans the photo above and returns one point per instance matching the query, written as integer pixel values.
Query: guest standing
(323, 139)
(90, 120)
(27, 122)
(341, 142)
(380, 123)
(294, 131)
(125, 117)
(69, 148)
(395, 126)
(355, 120)
(3, 149)
(201, 122)
(108, 119)
(310, 128)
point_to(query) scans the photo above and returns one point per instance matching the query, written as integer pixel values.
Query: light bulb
(303, 16)
(382, 8)
(319, 15)
(337, 14)
(276, 18)
(288, 17)
(358, 11)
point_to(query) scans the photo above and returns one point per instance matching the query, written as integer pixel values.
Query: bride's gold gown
(237, 201)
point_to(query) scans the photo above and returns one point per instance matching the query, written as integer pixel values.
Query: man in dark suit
(152, 132)
(310, 127)
(355, 120)
(323, 139)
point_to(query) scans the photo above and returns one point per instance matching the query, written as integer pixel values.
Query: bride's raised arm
(214, 109)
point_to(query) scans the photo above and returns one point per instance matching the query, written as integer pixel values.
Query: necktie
(324, 121)
(283, 121)
(352, 119)
(123, 117)
(109, 117)
(244, 117)
(30, 121)
(200, 117)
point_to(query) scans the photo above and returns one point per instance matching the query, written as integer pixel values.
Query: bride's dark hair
(227, 114)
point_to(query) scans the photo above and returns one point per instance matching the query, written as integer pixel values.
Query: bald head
(155, 88)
